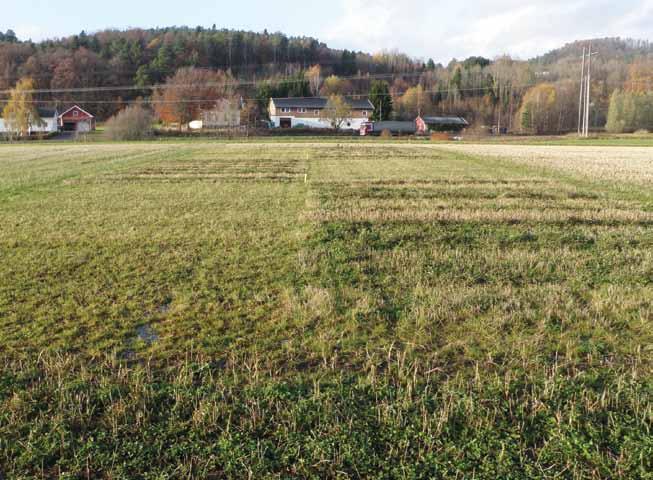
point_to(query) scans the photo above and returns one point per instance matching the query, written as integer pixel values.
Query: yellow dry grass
(623, 164)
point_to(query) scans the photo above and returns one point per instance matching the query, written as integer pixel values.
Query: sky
(423, 29)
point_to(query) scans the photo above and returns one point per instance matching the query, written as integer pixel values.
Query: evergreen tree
(348, 64)
(143, 76)
(10, 36)
(381, 99)
(163, 65)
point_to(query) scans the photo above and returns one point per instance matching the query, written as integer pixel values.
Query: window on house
(75, 113)
(302, 110)
(317, 112)
(365, 113)
(285, 110)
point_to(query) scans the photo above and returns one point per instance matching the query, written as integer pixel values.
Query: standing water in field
(147, 334)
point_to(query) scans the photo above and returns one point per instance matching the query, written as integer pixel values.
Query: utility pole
(588, 91)
(588, 95)
(585, 93)
(500, 99)
(581, 124)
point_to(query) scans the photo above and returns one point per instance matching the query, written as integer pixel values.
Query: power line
(225, 67)
(203, 100)
(254, 83)
(246, 83)
(238, 83)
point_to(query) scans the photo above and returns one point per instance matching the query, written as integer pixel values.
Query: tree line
(139, 57)
(200, 65)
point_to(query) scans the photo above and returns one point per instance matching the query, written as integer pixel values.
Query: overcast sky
(427, 29)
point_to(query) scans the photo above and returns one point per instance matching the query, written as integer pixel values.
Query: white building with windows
(50, 123)
(306, 112)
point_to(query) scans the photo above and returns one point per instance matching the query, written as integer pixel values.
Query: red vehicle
(366, 129)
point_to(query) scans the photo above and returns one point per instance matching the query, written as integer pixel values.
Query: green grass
(601, 140)
(198, 310)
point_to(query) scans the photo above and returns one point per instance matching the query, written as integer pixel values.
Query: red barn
(75, 119)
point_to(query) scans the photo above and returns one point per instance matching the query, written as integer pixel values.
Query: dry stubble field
(200, 311)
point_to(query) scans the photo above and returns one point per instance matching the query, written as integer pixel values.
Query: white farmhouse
(306, 112)
(50, 122)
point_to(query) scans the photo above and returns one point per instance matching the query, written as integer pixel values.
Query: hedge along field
(202, 311)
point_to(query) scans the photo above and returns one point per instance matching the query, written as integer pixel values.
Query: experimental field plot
(325, 311)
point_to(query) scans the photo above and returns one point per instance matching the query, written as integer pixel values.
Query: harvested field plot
(200, 311)
(621, 164)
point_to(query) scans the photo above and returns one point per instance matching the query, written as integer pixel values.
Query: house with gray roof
(50, 118)
(307, 112)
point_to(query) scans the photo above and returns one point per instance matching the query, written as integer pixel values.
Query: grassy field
(209, 310)
(469, 138)
(599, 140)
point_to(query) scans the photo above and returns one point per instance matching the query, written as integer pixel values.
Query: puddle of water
(147, 334)
(128, 354)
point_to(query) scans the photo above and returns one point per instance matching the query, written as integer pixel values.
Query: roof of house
(320, 102)
(47, 113)
(43, 113)
(402, 127)
(78, 108)
(458, 121)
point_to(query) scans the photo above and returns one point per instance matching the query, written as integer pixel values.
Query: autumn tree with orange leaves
(640, 76)
(188, 92)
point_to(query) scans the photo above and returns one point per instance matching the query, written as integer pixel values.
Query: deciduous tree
(189, 91)
(20, 113)
(414, 102)
(336, 112)
(334, 85)
(132, 123)
(537, 114)
(640, 76)
(630, 111)
(314, 77)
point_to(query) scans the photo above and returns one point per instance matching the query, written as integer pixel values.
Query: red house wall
(69, 117)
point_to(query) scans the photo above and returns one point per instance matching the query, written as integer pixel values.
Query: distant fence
(227, 132)
(245, 132)
(311, 132)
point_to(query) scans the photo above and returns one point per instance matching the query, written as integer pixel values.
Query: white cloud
(361, 26)
(638, 19)
(33, 32)
(443, 30)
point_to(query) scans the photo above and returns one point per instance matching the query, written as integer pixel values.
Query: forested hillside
(626, 49)
(144, 57)
(107, 70)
